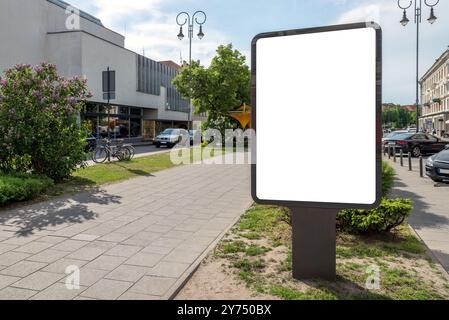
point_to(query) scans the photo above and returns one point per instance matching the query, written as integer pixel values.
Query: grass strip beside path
(256, 254)
(114, 172)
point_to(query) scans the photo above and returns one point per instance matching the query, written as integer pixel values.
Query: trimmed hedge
(389, 215)
(21, 187)
(388, 175)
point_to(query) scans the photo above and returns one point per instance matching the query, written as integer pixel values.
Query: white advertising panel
(316, 110)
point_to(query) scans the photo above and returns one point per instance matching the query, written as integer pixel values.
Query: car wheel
(416, 152)
(158, 145)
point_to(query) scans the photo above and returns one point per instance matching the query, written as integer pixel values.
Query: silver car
(170, 137)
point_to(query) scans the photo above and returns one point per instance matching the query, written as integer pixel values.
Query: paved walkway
(430, 217)
(138, 239)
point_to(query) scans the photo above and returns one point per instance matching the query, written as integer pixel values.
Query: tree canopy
(222, 87)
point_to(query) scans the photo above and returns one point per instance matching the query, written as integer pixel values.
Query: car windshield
(169, 131)
(403, 136)
(393, 134)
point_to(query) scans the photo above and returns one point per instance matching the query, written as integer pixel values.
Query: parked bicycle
(108, 150)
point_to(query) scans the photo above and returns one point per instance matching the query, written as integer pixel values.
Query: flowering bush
(39, 129)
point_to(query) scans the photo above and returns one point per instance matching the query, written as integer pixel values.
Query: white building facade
(435, 96)
(146, 102)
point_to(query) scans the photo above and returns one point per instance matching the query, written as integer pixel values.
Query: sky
(150, 26)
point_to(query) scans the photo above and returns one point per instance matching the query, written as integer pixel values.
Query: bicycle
(131, 149)
(108, 151)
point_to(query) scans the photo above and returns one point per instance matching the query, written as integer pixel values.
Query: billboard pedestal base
(314, 243)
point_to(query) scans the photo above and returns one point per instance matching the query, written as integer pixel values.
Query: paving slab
(107, 289)
(38, 281)
(23, 268)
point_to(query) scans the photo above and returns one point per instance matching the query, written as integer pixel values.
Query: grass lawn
(254, 261)
(101, 174)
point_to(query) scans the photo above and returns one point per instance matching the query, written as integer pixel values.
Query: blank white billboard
(317, 100)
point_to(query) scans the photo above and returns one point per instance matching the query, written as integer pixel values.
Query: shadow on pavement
(421, 217)
(67, 210)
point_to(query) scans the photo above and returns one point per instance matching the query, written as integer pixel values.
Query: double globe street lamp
(199, 17)
(418, 4)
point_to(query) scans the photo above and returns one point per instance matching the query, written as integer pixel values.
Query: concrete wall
(23, 31)
(64, 50)
(56, 22)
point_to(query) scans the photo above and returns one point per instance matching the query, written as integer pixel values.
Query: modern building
(146, 102)
(435, 96)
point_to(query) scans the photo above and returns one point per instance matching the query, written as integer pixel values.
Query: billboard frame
(378, 104)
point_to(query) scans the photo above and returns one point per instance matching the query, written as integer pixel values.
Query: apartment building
(435, 96)
(146, 102)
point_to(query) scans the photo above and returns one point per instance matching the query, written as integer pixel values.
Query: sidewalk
(138, 239)
(430, 217)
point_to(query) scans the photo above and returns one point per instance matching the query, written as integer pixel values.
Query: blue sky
(150, 25)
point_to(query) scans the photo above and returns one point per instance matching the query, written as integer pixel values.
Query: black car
(437, 166)
(416, 143)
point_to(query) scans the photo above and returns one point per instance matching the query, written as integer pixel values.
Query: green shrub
(388, 175)
(20, 187)
(389, 215)
(39, 129)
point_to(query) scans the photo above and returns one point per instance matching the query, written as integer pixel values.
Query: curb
(187, 275)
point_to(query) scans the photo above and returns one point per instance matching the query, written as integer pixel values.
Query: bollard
(401, 153)
(421, 168)
(394, 154)
(389, 152)
(409, 161)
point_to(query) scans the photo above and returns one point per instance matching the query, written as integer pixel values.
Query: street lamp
(417, 20)
(199, 17)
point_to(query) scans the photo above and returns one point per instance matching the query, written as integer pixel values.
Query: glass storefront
(119, 122)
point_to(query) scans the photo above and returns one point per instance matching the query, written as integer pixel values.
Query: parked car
(437, 166)
(391, 136)
(394, 133)
(416, 143)
(195, 136)
(170, 137)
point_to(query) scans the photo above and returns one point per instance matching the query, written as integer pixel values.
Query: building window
(152, 75)
(120, 122)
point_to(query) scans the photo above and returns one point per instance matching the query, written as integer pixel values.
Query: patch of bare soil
(213, 281)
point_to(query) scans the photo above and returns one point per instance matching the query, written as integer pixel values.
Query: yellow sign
(243, 116)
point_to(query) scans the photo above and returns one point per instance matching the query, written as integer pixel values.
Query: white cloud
(149, 29)
(399, 43)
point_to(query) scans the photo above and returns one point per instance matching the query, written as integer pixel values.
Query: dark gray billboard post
(316, 98)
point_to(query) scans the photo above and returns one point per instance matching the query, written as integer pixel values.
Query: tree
(398, 117)
(39, 129)
(219, 89)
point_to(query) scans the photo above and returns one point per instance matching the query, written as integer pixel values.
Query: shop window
(135, 127)
(91, 108)
(136, 111)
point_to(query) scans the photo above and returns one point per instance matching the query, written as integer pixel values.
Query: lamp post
(199, 17)
(418, 18)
